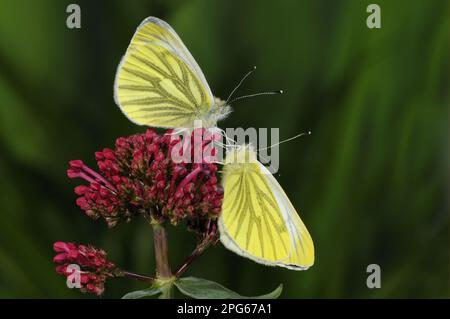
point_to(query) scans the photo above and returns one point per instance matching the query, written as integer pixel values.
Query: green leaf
(199, 288)
(142, 293)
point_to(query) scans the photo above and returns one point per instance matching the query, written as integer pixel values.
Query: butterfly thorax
(241, 158)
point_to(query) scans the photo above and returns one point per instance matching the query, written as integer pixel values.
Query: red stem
(138, 277)
(197, 251)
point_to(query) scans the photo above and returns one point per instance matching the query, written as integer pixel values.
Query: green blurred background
(371, 182)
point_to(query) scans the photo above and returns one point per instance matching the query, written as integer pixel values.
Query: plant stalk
(197, 251)
(161, 252)
(137, 277)
(163, 272)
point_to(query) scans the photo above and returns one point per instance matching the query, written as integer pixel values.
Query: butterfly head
(219, 111)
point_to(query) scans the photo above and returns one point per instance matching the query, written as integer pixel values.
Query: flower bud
(92, 262)
(139, 173)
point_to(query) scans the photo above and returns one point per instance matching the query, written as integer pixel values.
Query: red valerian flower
(93, 266)
(140, 177)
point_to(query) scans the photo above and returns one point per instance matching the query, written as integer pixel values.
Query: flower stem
(138, 277)
(163, 272)
(161, 252)
(197, 251)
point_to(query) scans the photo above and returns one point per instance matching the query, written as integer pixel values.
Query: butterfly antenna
(286, 140)
(256, 94)
(240, 83)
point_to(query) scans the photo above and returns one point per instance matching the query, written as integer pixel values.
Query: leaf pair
(199, 288)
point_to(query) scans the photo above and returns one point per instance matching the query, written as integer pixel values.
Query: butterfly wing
(158, 83)
(259, 222)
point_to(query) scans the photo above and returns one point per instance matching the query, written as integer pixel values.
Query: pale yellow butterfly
(258, 221)
(159, 84)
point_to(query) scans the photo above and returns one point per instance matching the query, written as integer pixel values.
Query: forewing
(259, 222)
(158, 83)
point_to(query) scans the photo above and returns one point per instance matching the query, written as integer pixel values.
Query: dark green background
(371, 182)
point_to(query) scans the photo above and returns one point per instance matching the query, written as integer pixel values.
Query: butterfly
(158, 83)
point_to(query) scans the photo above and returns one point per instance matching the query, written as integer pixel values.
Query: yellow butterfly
(257, 220)
(159, 84)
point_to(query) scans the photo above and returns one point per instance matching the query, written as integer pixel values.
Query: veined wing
(259, 222)
(302, 253)
(158, 83)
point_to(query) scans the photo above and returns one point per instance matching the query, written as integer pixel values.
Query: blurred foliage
(371, 182)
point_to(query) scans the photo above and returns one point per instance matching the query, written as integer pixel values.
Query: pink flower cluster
(94, 268)
(139, 177)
